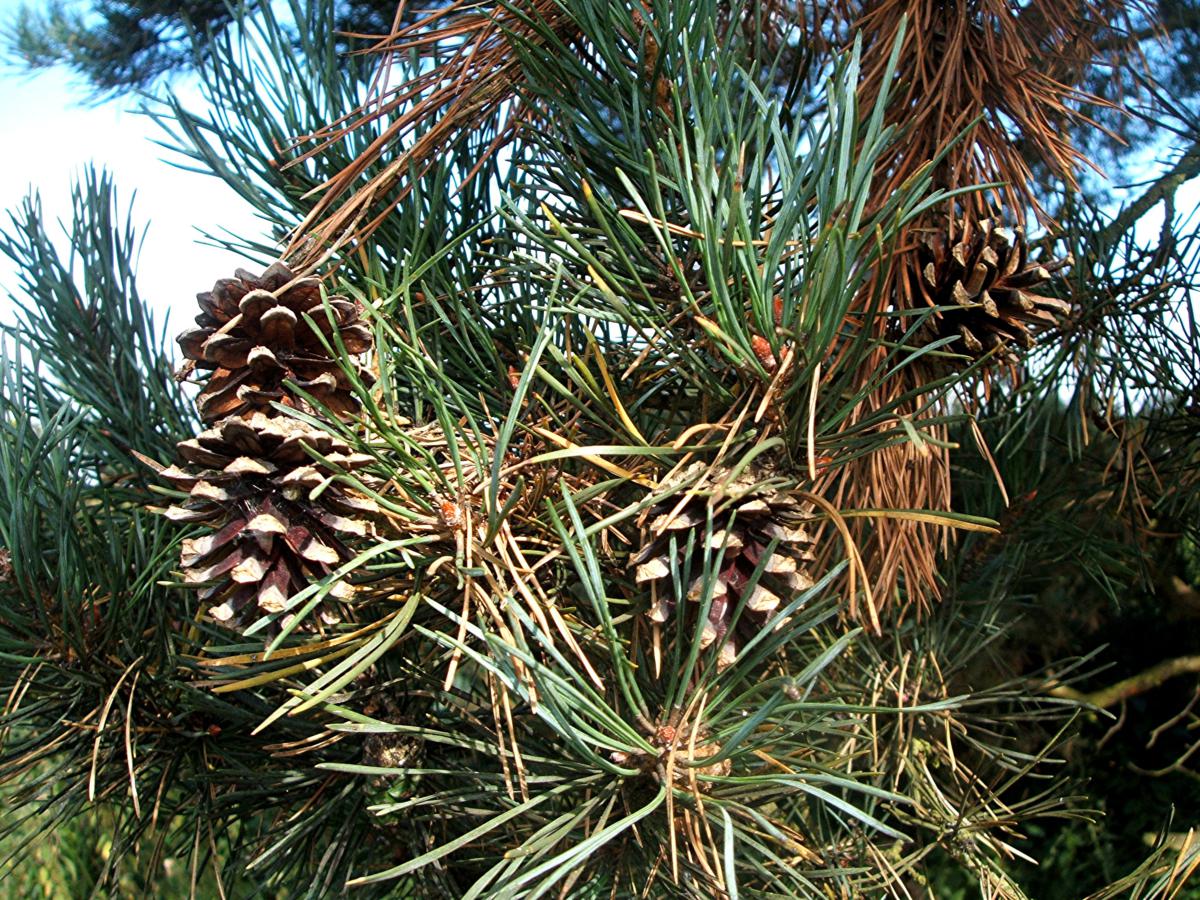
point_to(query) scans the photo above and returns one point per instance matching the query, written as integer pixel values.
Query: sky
(50, 134)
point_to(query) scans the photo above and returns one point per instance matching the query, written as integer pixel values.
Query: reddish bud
(762, 349)
(452, 516)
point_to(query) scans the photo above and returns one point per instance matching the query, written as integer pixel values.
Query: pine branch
(80, 311)
(1147, 680)
(1187, 168)
(672, 271)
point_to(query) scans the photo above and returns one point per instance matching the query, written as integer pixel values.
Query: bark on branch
(1183, 171)
(1134, 684)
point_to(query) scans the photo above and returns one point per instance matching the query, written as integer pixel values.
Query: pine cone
(250, 483)
(986, 276)
(745, 522)
(251, 334)
(249, 476)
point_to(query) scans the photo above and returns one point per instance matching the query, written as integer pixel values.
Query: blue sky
(50, 135)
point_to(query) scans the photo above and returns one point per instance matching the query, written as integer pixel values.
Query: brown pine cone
(252, 335)
(985, 276)
(250, 483)
(746, 520)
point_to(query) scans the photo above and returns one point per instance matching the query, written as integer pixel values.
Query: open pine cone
(250, 482)
(251, 333)
(745, 522)
(984, 274)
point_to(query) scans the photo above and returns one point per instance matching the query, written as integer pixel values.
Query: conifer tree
(640, 458)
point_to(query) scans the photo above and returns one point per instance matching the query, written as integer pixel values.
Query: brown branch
(1144, 681)
(1183, 171)
(1185, 599)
